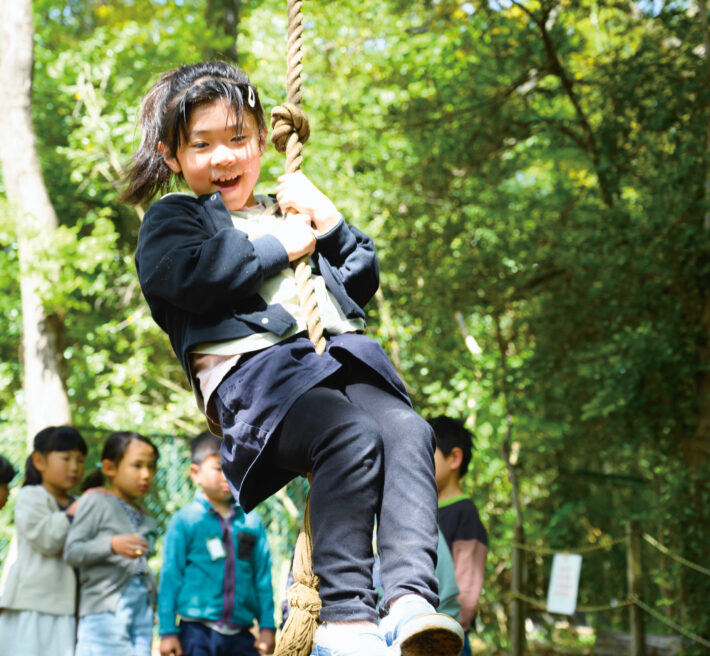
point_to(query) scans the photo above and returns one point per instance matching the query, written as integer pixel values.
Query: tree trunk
(696, 447)
(518, 609)
(45, 392)
(225, 15)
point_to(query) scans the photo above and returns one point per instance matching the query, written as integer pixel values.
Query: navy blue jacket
(201, 276)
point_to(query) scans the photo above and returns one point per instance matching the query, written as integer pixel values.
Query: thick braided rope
(303, 601)
(289, 132)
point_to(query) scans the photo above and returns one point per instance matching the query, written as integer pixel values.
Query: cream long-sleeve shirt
(35, 576)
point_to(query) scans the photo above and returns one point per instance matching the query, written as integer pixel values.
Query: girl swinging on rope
(214, 267)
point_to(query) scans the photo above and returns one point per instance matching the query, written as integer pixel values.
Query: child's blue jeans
(197, 639)
(466, 646)
(128, 631)
(370, 455)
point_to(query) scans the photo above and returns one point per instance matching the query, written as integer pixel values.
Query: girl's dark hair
(52, 438)
(7, 471)
(114, 450)
(165, 116)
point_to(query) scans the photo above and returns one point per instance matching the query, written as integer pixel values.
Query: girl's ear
(195, 473)
(172, 162)
(109, 468)
(39, 461)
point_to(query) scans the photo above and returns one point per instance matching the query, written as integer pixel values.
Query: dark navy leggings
(370, 456)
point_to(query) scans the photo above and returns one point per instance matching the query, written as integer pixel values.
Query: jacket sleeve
(46, 530)
(470, 564)
(181, 262)
(352, 254)
(262, 580)
(83, 546)
(172, 573)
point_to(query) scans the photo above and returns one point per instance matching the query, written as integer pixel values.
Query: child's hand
(170, 646)
(98, 489)
(296, 236)
(129, 545)
(296, 193)
(266, 642)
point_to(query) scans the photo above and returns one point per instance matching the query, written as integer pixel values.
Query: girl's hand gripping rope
(296, 236)
(296, 193)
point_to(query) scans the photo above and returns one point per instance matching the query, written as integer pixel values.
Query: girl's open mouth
(225, 184)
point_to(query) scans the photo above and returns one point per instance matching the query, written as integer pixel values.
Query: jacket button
(264, 320)
(213, 197)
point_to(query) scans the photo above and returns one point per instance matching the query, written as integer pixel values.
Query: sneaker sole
(424, 637)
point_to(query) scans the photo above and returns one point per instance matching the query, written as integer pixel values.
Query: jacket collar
(202, 500)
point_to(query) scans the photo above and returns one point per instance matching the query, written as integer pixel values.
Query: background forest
(535, 175)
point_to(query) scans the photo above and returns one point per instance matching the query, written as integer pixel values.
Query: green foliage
(533, 175)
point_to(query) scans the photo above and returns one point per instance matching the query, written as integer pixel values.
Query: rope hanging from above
(304, 604)
(290, 131)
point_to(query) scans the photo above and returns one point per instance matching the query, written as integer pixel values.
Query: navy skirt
(254, 398)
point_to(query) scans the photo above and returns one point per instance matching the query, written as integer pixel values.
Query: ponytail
(32, 476)
(147, 173)
(95, 479)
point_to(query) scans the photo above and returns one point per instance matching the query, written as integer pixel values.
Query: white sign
(564, 583)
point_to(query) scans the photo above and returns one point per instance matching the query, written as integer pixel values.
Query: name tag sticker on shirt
(216, 548)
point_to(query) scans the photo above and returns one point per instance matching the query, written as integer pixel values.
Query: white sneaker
(349, 640)
(414, 628)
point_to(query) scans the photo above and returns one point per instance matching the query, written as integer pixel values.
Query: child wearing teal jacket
(216, 574)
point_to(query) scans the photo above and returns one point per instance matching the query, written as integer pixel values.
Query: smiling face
(131, 477)
(220, 155)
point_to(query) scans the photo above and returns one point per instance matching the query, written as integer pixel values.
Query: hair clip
(251, 98)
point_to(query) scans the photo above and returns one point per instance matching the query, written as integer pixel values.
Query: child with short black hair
(459, 520)
(38, 589)
(214, 267)
(110, 541)
(7, 473)
(216, 575)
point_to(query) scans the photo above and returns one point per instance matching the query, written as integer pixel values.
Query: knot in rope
(286, 120)
(304, 596)
(303, 600)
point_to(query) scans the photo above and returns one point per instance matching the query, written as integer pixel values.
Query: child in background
(445, 575)
(216, 574)
(214, 267)
(110, 541)
(7, 473)
(458, 516)
(38, 589)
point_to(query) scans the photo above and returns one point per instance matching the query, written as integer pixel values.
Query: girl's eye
(199, 145)
(239, 138)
